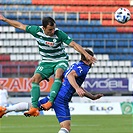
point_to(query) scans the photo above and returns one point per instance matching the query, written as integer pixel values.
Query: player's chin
(51, 34)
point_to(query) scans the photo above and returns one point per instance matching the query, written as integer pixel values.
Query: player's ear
(43, 28)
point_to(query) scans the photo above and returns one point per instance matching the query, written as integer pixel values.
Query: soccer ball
(122, 15)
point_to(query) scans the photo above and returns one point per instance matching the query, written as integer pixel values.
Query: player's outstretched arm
(91, 96)
(13, 23)
(80, 49)
(71, 77)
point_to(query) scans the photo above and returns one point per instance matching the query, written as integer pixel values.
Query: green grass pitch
(79, 124)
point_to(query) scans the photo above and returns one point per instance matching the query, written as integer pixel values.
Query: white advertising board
(91, 108)
(130, 87)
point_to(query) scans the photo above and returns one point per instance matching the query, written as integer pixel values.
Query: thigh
(61, 64)
(59, 73)
(62, 111)
(45, 69)
(37, 78)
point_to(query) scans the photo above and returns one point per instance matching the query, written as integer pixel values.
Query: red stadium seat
(115, 23)
(124, 29)
(82, 2)
(4, 57)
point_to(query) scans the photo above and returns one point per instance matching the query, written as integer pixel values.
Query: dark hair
(48, 21)
(89, 52)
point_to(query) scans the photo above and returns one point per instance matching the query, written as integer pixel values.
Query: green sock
(54, 90)
(35, 94)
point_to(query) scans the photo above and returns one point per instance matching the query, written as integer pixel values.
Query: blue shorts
(60, 107)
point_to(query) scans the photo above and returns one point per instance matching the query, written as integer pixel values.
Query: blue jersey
(66, 91)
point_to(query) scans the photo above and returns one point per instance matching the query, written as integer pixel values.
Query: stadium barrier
(114, 108)
(99, 85)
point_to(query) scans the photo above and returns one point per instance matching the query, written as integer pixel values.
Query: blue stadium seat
(75, 36)
(93, 36)
(8, 2)
(132, 63)
(121, 57)
(111, 43)
(100, 51)
(98, 43)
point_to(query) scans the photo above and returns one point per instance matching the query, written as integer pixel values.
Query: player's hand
(2, 17)
(91, 59)
(80, 92)
(97, 96)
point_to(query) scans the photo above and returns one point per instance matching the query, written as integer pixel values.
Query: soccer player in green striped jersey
(51, 42)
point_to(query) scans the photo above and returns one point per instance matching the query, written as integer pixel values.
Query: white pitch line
(28, 126)
(73, 125)
(84, 125)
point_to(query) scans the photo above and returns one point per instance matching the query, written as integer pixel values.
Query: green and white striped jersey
(52, 49)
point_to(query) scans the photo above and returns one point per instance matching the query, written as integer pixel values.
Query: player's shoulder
(59, 31)
(82, 65)
(35, 27)
(76, 65)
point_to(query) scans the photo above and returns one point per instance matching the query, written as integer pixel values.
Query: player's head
(83, 57)
(49, 25)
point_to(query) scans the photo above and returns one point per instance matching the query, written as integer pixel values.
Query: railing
(63, 15)
(91, 42)
(128, 44)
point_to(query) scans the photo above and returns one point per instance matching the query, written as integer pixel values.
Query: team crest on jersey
(80, 69)
(54, 40)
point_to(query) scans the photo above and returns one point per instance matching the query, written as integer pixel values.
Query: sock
(35, 94)
(54, 90)
(63, 130)
(23, 106)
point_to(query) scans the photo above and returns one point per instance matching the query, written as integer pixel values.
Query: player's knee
(63, 130)
(65, 125)
(36, 78)
(59, 73)
(58, 76)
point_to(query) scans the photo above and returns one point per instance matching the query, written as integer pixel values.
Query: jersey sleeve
(32, 29)
(65, 38)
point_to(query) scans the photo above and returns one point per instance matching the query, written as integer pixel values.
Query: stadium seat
(85, 21)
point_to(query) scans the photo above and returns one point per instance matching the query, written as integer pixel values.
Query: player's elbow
(73, 44)
(22, 27)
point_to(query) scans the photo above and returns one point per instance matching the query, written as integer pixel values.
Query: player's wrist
(4, 19)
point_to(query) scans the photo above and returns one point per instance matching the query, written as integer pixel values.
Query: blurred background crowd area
(89, 22)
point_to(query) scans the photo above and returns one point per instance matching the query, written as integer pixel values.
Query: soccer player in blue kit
(73, 79)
